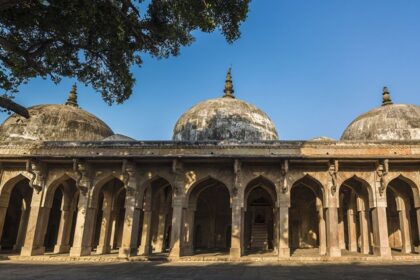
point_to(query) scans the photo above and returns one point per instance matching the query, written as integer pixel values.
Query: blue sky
(312, 65)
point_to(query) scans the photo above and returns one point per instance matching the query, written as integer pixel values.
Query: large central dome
(225, 118)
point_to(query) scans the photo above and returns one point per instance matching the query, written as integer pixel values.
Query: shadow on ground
(204, 271)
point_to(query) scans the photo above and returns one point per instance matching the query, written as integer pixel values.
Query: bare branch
(12, 106)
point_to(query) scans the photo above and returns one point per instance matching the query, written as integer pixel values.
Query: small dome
(388, 122)
(225, 118)
(55, 123)
(117, 137)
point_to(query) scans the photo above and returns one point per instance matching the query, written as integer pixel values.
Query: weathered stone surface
(224, 119)
(389, 122)
(54, 123)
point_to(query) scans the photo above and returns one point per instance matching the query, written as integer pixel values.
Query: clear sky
(311, 65)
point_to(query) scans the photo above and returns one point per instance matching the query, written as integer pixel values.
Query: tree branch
(12, 106)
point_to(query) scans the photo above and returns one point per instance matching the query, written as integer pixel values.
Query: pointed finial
(72, 99)
(229, 85)
(386, 97)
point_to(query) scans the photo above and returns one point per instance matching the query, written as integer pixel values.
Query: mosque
(225, 185)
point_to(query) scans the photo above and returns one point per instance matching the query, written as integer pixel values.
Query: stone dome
(388, 122)
(54, 122)
(225, 118)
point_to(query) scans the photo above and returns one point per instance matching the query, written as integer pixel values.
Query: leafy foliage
(98, 41)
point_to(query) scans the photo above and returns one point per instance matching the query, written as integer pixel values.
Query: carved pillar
(352, 230)
(333, 249)
(237, 232)
(3, 211)
(364, 231)
(380, 232)
(38, 216)
(405, 231)
(177, 231)
(322, 232)
(418, 228)
(188, 233)
(63, 237)
(160, 234)
(341, 231)
(37, 224)
(104, 246)
(146, 236)
(83, 234)
(131, 227)
(284, 250)
(23, 225)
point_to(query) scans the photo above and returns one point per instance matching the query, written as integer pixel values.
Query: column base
(284, 253)
(127, 252)
(144, 251)
(29, 252)
(334, 252)
(382, 252)
(407, 250)
(102, 250)
(187, 251)
(235, 253)
(80, 251)
(60, 249)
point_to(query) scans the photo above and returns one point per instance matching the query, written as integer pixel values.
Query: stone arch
(108, 200)
(411, 182)
(354, 216)
(61, 194)
(402, 216)
(307, 223)
(260, 219)
(208, 216)
(8, 186)
(156, 203)
(15, 201)
(366, 190)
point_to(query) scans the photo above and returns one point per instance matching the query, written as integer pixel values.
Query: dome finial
(386, 97)
(72, 99)
(229, 92)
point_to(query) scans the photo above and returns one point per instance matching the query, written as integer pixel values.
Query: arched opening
(354, 217)
(401, 217)
(157, 217)
(307, 223)
(210, 217)
(15, 207)
(61, 200)
(110, 213)
(260, 213)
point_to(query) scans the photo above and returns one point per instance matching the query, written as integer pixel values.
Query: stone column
(37, 226)
(364, 231)
(146, 236)
(380, 232)
(333, 249)
(405, 231)
(3, 211)
(130, 228)
(418, 227)
(63, 237)
(284, 250)
(23, 225)
(177, 233)
(160, 234)
(322, 232)
(104, 246)
(351, 230)
(236, 232)
(83, 234)
(341, 231)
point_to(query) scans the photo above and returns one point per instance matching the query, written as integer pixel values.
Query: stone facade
(184, 199)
